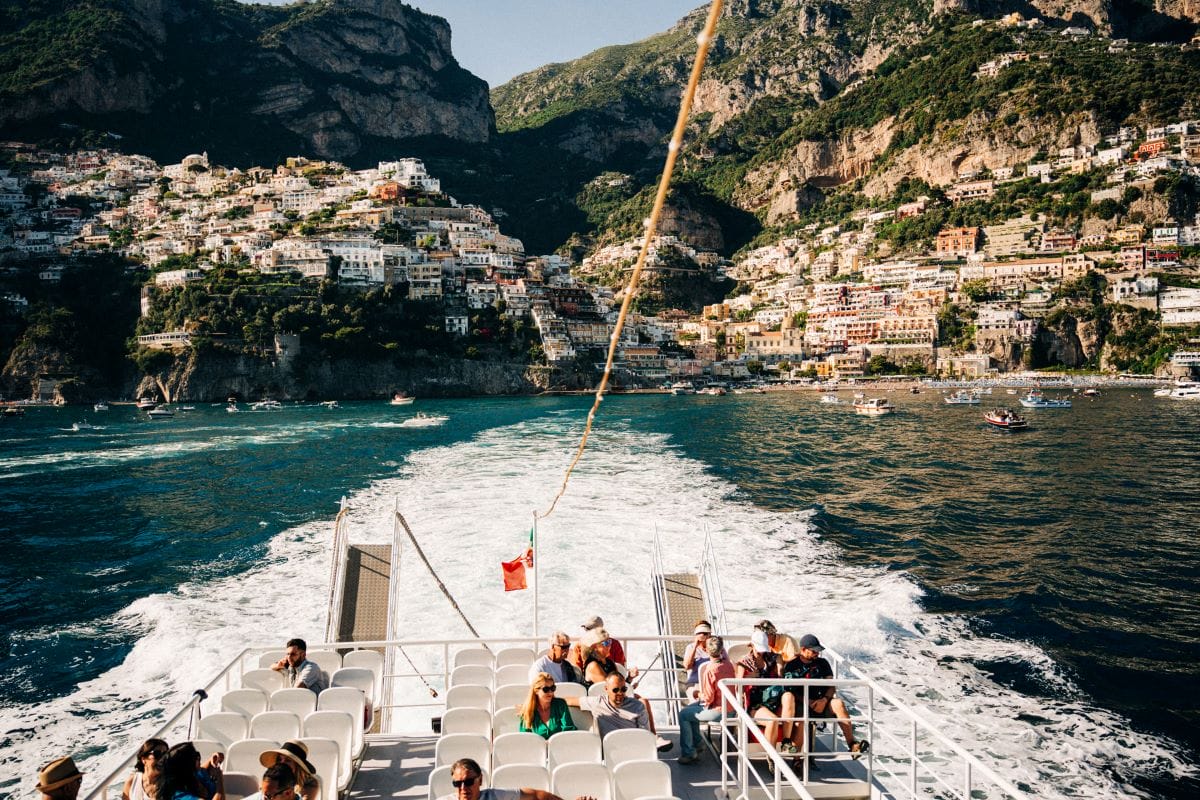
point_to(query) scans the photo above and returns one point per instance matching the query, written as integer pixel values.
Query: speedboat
(1185, 391)
(160, 413)
(146, 403)
(1091, 392)
(423, 420)
(83, 426)
(330, 404)
(1005, 419)
(830, 399)
(962, 398)
(402, 399)
(232, 408)
(682, 388)
(873, 406)
(101, 406)
(1035, 399)
(267, 405)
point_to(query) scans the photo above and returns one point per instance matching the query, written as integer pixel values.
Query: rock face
(213, 377)
(335, 79)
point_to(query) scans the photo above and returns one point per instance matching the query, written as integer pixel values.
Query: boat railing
(337, 571)
(394, 613)
(710, 584)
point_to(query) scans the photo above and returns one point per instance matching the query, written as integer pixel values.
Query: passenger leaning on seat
(543, 713)
(466, 777)
(301, 673)
(151, 758)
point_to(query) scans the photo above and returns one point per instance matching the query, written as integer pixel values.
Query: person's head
(759, 643)
(279, 782)
(616, 689)
(292, 753)
(151, 756)
(715, 647)
(60, 779)
(560, 644)
(541, 692)
(296, 650)
(178, 772)
(702, 631)
(767, 627)
(810, 647)
(466, 777)
(598, 642)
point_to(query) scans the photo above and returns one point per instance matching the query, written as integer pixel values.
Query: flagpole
(537, 565)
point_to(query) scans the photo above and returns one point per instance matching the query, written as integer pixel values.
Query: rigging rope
(704, 40)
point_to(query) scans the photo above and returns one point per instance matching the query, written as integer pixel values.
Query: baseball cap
(811, 642)
(591, 624)
(758, 640)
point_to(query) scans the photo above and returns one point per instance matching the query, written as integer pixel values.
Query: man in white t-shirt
(555, 663)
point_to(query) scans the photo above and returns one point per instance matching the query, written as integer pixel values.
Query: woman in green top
(543, 713)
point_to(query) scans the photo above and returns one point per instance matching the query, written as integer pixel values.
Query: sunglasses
(606, 643)
(549, 689)
(464, 782)
(273, 795)
(622, 690)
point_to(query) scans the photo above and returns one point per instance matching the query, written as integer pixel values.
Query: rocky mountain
(342, 79)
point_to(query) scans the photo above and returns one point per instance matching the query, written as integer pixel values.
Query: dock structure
(366, 590)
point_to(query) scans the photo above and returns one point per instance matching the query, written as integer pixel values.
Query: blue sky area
(499, 39)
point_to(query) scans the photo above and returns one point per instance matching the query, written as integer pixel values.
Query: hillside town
(827, 301)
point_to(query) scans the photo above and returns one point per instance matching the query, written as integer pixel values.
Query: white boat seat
(573, 746)
(300, 702)
(516, 656)
(641, 778)
(207, 748)
(246, 702)
(439, 782)
(581, 779)
(266, 660)
(505, 721)
(330, 661)
(473, 657)
(518, 776)
(518, 748)
(367, 659)
(225, 727)
(512, 674)
(277, 725)
(242, 756)
(453, 746)
(469, 697)
(629, 744)
(570, 689)
(510, 696)
(471, 675)
(350, 701)
(467, 720)
(239, 785)
(338, 726)
(324, 754)
(265, 680)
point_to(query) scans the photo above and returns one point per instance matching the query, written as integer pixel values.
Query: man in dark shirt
(822, 700)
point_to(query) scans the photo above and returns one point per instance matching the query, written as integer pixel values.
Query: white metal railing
(710, 585)
(337, 573)
(909, 757)
(393, 613)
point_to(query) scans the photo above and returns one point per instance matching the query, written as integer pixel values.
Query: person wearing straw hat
(294, 753)
(60, 780)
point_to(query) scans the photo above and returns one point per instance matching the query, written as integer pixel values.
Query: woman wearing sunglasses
(146, 770)
(543, 713)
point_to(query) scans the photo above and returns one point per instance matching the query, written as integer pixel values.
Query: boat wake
(470, 505)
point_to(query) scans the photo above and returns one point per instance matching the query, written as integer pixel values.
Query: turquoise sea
(1039, 592)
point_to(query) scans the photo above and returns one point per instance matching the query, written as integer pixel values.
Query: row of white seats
(367, 678)
(506, 720)
(332, 761)
(330, 661)
(633, 780)
(228, 727)
(510, 656)
(478, 675)
(510, 695)
(628, 744)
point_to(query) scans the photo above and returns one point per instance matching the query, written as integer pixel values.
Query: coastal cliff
(342, 79)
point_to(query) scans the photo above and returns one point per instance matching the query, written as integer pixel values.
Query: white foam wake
(471, 505)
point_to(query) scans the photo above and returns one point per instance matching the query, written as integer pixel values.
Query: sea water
(1034, 594)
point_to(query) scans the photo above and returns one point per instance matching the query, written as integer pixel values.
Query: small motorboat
(232, 408)
(83, 426)
(830, 399)
(962, 398)
(915, 390)
(13, 411)
(402, 399)
(873, 406)
(267, 405)
(330, 404)
(146, 403)
(1005, 419)
(1035, 399)
(423, 420)
(101, 406)
(162, 412)
(1091, 392)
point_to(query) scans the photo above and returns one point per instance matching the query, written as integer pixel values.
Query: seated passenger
(543, 713)
(556, 662)
(694, 655)
(822, 700)
(615, 710)
(179, 778)
(151, 757)
(467, 777)
(301, 673)
(708, 707)
(598, 662)
(278, 783)
(294, 753)
(59, 780)
(579, 657)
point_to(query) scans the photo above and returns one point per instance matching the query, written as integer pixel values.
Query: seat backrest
(242, 784)
(629, 744)
(641, 778)
(246, 702)
(324, 754)
(451, 747)
(469, 697)
(519, 656)
(467, 720)
(277, 725)
(581, 779)
(206, 748)
(519, 776)
(584, 720)
(518, 748)
(338, 726)
(367, 659)
(471, 675)
(300, 702)
(573, 746)
(225, 727)
(513, 673)
(351, 701)
(267, 680)
(570, 689)
(266, 660)
(439, 782)
(505, 721)
(242, 756)
(358, 677)
(474, 656)
(330, 661)
(510, 696)
(597, 689)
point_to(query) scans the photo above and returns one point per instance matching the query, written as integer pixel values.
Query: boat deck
(364, 607)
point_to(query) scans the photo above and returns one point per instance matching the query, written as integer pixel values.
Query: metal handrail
(337, 572)
(710, 580)
(393, 614)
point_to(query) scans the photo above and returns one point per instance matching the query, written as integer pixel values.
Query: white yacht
(267, 405)
(873, 406)
(962, 398)
(1035, 399)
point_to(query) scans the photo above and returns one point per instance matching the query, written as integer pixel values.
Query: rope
(685, 108)
(412, 538)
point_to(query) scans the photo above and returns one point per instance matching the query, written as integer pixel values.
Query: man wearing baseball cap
(60, 780)
(822, 700)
